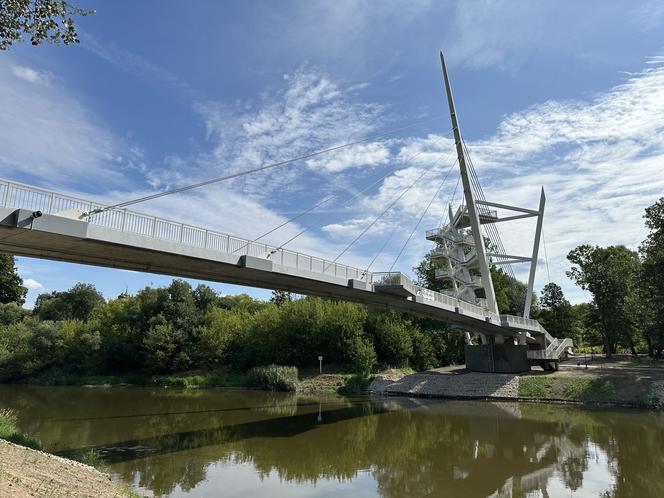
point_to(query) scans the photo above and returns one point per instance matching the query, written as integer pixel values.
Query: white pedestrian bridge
(40, 223)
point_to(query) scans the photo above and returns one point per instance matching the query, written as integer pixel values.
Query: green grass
(93, 459)
(643, 362)
(227, 379)
(273, 378)
(197, 379)
(602, 390)
(9, 431)
(585, 389)
(355, 385)
(540, 386)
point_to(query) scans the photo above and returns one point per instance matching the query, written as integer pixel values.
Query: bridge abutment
(497, 358)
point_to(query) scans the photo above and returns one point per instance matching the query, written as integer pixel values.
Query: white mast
(480, 247)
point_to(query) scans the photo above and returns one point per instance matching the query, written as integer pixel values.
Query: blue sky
(568, 95)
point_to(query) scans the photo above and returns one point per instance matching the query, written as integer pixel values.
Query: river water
(205, 443)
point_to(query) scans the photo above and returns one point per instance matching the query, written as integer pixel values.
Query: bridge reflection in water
(183, 443)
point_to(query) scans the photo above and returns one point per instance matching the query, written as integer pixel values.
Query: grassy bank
(617, 387)
(185, 379)
(9, 431)
(305, 381)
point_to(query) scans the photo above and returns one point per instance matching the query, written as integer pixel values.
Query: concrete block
(255, 263)
(497, 358)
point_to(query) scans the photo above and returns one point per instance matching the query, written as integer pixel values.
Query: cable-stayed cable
(253, 170)
(368, 227)
(352, 198)
(382, 248)
(491, 229)
(290, 220)
(426, 210)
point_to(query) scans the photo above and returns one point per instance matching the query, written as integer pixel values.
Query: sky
(562, 94)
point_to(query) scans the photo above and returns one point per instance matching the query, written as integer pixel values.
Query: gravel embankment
(450, 383)
(28, 473)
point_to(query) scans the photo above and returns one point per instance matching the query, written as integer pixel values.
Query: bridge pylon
(461, 244)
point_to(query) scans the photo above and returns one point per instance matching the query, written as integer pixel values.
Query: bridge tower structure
(461, 244)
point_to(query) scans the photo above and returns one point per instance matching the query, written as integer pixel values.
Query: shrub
(355, 385)
(273, 377)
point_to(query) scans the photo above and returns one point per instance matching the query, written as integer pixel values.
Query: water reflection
(179, 443)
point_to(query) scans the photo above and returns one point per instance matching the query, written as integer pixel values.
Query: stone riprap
(445, 383)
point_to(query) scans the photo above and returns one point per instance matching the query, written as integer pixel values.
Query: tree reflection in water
(165, 440)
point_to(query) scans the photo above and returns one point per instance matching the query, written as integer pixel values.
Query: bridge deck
(133, 241)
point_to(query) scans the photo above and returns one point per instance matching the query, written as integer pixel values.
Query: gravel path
(29, 473)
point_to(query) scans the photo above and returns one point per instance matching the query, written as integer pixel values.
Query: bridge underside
(63, 239)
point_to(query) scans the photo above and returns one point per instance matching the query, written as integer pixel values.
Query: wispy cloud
(32, 75)
(307, 113)
(142, 68)
(49, 136)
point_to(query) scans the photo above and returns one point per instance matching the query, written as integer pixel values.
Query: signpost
(320, 364)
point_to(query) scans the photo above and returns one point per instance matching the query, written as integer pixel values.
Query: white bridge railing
(18, 195)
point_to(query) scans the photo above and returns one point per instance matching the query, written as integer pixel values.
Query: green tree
(11, 284)
(391, 337)
(556, 313)
(652, 281)
(164, 348)
(77, 303)
(280, 297)
(205, 298)
(12, 313)
(49, 21)
(426, 272)
(610, 274)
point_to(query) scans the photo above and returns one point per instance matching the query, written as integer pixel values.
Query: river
(205, 443)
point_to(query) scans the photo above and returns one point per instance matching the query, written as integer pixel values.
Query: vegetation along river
(168, 442)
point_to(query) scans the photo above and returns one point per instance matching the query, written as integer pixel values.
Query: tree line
(179, 328)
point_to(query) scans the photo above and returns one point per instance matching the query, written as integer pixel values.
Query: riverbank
(310, 381)
(599, 384)
(25, 472)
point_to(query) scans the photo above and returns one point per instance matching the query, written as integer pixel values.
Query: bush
(355, 385)
(273, 377)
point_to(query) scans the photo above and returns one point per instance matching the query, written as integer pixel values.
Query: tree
(652, 281)
(280, 297)
(77, 303)
(556, 313)
(610, 274)
(426, 273)
(11, 284)
(42, 20)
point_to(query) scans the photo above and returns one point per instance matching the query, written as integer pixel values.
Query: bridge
(42, 223)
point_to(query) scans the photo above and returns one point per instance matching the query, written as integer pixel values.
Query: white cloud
(32, 284)
(47, 135)
(309, 112)
(370, 154)
(32, 75)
